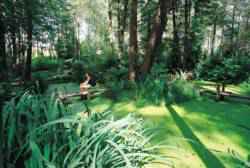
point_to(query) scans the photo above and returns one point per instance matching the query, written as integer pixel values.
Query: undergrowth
(39, 132)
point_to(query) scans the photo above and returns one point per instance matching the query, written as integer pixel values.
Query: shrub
(223, 70)
(153, 87)
(151, 90)
(180, 91)
(45, 63)
(78, 70)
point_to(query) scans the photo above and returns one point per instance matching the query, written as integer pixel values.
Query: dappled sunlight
(213, 125)
(157, 111)
(208, 158)
(100, 104)
(216, 125)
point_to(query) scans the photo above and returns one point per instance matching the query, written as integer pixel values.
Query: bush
(153, 88)
(223, 70)
(78, 70)
(45, 63)
(180, 91)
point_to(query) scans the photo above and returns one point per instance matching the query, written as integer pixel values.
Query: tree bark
(133, 40)
(233, 31)
(27, 73)
(176, 43)
(3, 67)
(119, 19)
(187, 42)
(122, 20)
(13, 31)
(110, 24)
(214, 35)
(3, 62)
(155, 38)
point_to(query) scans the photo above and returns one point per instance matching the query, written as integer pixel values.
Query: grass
(200, 133)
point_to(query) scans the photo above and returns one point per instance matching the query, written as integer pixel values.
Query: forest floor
(199, 134)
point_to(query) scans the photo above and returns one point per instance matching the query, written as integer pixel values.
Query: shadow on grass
(208, 158)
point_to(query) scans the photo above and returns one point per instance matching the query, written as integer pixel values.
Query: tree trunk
(3, 67)
(3, 63)
(214, 35)
(110, 24)
(119, 19)
(13, 31)
(122, 20)
(176, 43)
(133, 40)
(27, 74)
(78, 43)
(233, 31)
(155, 38)
(14, 47)
(247, 22)
(187, 42)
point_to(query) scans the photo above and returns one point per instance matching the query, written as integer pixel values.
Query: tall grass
(39, 133)
(20, 116)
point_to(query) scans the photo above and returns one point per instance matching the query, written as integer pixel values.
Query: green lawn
(198, 133)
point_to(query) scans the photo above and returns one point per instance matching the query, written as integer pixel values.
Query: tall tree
(233, 28)
(122, 20)
(110, 22)
(215, 20)
(187, 60)
(155, 37)
(2, 73)
(176, 40)
(13, 30)
(2, 43)
(133, 40)
(29, 16)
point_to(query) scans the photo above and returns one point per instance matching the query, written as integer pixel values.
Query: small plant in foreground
(37, 134)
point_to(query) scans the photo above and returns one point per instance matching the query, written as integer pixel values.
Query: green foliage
(223, 70)
(21, 116)
(40, 84)
(115, 79)
(154, 87)
(152, 90)
(37, 132)
(78, 69)
(65, 46)
(45, 63)
(180, 91)
(243, 163)
(98, 59)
